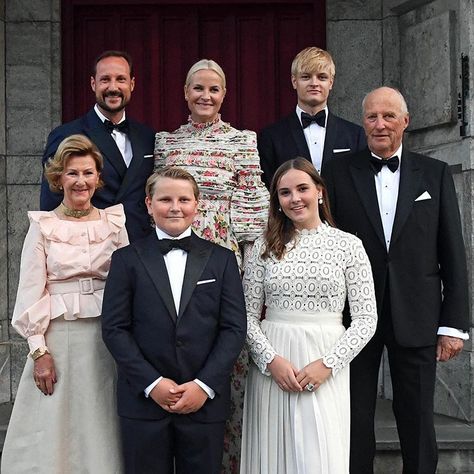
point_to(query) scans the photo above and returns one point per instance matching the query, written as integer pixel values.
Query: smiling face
(79, 181)
(384, 119)
(204, 95)
(172, 205)
(113, 86)
(312, 89)
(298, 197)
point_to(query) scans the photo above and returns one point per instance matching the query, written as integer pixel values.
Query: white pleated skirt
(75, 430)
(297, 433)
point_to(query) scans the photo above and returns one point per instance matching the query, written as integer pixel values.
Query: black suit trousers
(413, 373)
(174, 444)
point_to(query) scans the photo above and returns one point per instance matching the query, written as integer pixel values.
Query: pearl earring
(320, 200)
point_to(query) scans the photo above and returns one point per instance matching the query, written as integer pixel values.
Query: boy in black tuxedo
(174, 320)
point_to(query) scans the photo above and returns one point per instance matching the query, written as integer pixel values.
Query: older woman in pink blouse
(64, 417)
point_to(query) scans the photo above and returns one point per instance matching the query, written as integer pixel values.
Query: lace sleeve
(259, 347)
(361, 295)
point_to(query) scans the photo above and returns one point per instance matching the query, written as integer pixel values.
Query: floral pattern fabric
(232, 212)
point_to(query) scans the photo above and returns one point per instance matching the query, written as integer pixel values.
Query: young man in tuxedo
(403, 207)
(126, 145)
(312, 131)
(174, 320)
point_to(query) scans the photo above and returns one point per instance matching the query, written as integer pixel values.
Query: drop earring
(320, 200)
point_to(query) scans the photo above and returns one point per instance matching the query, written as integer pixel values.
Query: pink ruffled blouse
(57, 250)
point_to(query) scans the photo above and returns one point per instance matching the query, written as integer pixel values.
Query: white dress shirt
(315, 136)
(175, 261)
(387, 185)
(120, 138)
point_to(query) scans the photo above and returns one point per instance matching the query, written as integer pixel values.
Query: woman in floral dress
(233, 205)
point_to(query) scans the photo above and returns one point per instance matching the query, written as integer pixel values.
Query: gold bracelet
(41, 351)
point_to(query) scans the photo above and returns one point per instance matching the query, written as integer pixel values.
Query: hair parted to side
(280, 229)
(172, 172)
(71, 147)
(112, 53)
(205, 64)
(313, 60)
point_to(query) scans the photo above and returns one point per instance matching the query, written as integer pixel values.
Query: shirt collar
(397, 153)
(103, 117)
(161, 234)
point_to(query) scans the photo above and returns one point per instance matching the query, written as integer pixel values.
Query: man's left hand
(448, 347)
(192, 398)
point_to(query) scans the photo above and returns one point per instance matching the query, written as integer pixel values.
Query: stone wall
(416, 46)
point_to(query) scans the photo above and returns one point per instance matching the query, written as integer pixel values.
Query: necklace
(76, 213)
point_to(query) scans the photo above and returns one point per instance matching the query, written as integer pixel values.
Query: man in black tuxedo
(126, 145)
(312, 131)
(403, 207)
(174, 320)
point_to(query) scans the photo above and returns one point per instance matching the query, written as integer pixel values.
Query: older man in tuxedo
(126, 145)
(311, 131)
(403, 207)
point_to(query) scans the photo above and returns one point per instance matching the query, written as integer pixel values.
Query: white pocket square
(147, 156)
(423, 197)
(203, 282)
(341, 150)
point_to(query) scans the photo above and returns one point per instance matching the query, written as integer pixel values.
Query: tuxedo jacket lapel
(298, 136)
(155, 266)
(364, 182)
(195, 263)
(103, 140)
(330, 138)
(410, 176)
(138, 153)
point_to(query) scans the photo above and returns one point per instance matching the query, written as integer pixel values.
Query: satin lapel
(364, 182)
(106, 144)
(154, 264)
(138, 153)
(330, 138)
(410, 176)
(195, 263)
(299, 138)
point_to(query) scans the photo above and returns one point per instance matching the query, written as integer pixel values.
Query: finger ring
(310, 387)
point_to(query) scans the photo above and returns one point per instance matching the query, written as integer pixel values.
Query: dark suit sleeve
(267, 156)
(232, 330)
(117, 325)
(48, 199)
(452, 258)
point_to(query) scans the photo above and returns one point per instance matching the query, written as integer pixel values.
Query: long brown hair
(280, 229)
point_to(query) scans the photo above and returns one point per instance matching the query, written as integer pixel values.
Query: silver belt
(84, 286)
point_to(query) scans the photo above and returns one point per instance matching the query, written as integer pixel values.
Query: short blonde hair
(71, 147)
(313, 60)
(172, 172)
(205, 64)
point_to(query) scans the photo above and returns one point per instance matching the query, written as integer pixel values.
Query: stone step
(455, 443)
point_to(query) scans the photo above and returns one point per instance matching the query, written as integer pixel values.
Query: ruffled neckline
(316, 230)
(112, 221)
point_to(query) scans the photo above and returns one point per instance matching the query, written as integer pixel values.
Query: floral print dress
(232, 212)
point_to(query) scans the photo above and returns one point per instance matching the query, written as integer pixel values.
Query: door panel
(253, 42)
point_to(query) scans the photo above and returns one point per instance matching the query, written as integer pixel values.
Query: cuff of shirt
(152, 386)
(210, 393)
(453, 332)
(36, 341)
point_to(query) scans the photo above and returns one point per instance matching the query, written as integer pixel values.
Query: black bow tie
(121, 127)
(319, 118)
(392, 164)
(165, 245)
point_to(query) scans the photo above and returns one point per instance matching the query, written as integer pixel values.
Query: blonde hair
(71, 147)
(171, 172)
(205, 64)
(312, 60)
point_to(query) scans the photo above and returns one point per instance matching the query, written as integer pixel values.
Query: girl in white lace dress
(296, 409)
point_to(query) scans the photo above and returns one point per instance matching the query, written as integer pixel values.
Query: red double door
(253, 41)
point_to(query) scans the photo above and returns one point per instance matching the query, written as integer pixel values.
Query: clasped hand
(182, 399)
(290, 379)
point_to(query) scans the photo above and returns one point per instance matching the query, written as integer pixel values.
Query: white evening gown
(305, 292)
